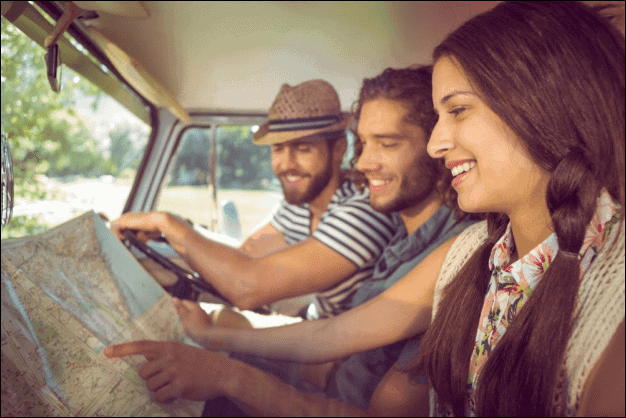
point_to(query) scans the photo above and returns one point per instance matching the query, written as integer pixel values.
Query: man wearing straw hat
(323, 238)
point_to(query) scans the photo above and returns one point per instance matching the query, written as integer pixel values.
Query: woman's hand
(195, 320)
(198, 324)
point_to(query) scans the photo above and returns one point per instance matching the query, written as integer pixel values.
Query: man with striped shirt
(324, 237)
(350, 227)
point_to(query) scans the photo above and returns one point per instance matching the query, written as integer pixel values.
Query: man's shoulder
(350, 198)
(350, 195)
(348, 191)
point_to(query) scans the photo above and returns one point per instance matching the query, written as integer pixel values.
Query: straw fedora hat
(308, 109)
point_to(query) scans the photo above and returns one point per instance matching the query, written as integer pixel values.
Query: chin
(386, 206)
(469, 206)
(294, 198)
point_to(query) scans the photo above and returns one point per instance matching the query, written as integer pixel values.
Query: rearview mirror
(53, 65)
(7, 182)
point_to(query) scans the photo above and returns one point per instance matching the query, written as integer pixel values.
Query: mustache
(292, 173)
(376, 174)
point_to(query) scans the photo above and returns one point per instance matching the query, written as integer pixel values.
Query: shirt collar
(341, 193)
(406, 246)
(542, 255)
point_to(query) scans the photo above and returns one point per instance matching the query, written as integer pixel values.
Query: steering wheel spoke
(189, 285)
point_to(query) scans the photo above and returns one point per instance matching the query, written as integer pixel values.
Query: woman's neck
(530, 227)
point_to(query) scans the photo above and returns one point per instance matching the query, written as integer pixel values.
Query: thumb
(191, 306)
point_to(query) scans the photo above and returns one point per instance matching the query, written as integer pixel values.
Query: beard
(318, 183)
(415, 186)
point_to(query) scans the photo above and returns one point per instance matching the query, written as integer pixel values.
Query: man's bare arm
(260, 394)
(264, 241)
(400, 312)
(246, 281)
(396, 395)
(175, 370)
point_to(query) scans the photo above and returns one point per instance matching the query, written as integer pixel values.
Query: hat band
(301, 124)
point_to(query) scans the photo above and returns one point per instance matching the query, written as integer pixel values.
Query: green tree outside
(46, 134)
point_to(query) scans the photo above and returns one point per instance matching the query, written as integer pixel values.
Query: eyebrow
(386, 136)
(293, 143)
(455, 93)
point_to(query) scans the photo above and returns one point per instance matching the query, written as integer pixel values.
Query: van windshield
(73, 151)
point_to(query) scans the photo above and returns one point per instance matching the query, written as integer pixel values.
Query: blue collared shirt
(358, 376)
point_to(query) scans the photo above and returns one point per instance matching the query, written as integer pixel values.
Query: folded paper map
(66, 295)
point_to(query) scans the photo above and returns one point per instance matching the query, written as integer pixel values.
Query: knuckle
(171, 370)
(151, 385)
(143, 371)
(177, 386)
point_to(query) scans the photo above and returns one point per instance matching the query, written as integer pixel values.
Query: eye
(389, 144)
(457, 110)
(304, 148)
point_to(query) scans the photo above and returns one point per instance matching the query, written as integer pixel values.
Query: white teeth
(292, 179)
(378, 182)
(462, 168)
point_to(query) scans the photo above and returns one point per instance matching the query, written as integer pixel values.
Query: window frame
(161, 159)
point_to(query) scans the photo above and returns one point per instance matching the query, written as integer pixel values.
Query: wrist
(231, 380)
(173, 228)
(216, 339)
(162, 220)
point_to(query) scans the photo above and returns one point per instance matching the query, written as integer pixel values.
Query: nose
(284, 160)
(440, 141)
(368, 160)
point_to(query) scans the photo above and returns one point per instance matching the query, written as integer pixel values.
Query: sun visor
(130, 9)
(138, 77)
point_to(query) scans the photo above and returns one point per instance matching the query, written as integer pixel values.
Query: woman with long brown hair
(530, 99)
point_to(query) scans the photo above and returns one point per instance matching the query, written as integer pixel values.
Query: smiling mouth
(291, 178)
(378, 182)
(463, 168)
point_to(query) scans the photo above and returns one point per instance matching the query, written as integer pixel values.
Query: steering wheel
(189, 283)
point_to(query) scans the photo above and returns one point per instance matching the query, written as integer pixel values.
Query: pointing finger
(148, 349)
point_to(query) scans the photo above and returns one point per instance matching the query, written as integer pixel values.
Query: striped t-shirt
(349, 226)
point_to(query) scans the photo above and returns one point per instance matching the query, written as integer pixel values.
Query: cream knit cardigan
(599, 310)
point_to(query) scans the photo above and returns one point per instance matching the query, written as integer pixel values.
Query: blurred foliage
(124, 154)
(46, 134)
(22, 226)
(240, 164)
(192, 162)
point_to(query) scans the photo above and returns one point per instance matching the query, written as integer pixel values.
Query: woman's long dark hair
(554, 73)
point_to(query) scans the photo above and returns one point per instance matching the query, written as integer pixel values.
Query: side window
(73, 151)
(243, 176)
(350, 151)
(187, 189)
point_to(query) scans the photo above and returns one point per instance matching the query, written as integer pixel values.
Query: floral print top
(512, 284)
